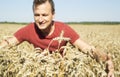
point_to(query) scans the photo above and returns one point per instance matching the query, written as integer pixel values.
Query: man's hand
(96, 54)
(9, 42)
(101, 56)
(110, 67)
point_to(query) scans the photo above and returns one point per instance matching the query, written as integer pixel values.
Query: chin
(42, 28)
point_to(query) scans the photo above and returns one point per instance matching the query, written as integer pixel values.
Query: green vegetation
(21, 23)
(91, 23)
(84, 23)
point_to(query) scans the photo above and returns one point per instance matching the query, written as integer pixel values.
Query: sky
(65, 10)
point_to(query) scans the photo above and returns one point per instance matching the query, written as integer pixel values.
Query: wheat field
(25, 61)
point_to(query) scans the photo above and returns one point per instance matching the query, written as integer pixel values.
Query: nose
(40, 19)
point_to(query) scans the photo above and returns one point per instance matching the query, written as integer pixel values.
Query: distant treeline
(86, 23)
(91, 23)
(21, 23)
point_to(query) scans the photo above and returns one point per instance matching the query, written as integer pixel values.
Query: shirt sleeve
(70, 33)
(20, 34)
(24, 33)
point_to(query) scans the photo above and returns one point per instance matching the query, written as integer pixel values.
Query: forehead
(42, 7)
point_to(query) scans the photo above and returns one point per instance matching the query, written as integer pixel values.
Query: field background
(105, 37)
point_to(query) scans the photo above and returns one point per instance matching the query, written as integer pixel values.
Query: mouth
(41, 24)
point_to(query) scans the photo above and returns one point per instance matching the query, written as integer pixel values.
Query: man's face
(43, 15)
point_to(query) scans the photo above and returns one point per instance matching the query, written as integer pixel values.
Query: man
(43, 32)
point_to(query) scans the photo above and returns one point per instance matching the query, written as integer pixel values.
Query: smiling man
(41, 32)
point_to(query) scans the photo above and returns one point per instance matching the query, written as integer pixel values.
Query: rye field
(26, 61)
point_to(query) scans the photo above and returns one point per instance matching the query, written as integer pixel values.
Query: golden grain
(26, 61)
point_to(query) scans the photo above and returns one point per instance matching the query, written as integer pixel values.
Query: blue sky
(66, 10)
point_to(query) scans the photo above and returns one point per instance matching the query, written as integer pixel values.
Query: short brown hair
(38, 2)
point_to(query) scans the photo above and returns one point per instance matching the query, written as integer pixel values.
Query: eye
(45, 15)
(36, 14)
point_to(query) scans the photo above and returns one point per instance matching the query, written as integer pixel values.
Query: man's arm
(10, 41)
(96, 54)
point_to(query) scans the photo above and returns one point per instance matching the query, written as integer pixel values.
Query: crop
(26, 61)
